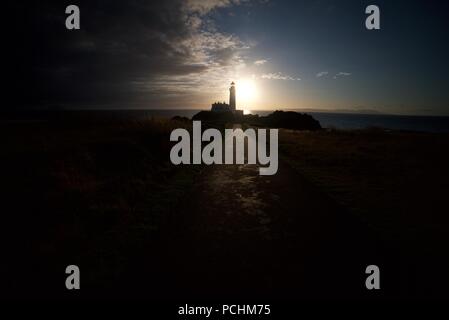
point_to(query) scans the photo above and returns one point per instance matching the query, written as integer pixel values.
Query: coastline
(339, 121)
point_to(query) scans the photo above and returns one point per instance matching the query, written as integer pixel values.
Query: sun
(246, 92)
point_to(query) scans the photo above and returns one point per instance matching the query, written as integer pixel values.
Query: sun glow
(246, 92)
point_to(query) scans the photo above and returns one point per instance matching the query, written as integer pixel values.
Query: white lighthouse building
(232, 104)
(231, 107)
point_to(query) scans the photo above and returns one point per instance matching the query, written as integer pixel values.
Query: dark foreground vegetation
(93, 193)
(103, 195)
(396, 182)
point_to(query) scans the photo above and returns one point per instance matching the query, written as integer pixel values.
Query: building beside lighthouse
(231, 107)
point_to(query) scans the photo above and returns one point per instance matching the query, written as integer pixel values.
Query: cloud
(322, 74)
(203, 7)
(260, 62)
(342, 74)
(135, 52)
(278, 76)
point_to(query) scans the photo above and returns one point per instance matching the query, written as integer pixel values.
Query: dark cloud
(125, 52)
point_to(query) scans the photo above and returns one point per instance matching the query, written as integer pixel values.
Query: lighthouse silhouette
(232, 97)
(231, 107)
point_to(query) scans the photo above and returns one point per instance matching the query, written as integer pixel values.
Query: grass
(100, 193)
(395, 181)
(90, 193)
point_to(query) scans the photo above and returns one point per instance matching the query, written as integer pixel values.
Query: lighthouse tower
(232, 97)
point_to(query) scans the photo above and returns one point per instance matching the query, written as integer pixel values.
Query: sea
(342, 121)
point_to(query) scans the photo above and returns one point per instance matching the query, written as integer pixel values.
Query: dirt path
(250, 236)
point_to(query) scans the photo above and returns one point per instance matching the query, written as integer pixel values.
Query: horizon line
(304, 110)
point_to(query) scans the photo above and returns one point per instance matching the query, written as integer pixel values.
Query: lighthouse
(232, 97)
(231, 107)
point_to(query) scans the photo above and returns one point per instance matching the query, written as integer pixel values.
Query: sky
(174, 54)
